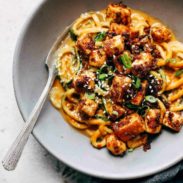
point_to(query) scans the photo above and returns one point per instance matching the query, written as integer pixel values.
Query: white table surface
(35, 166)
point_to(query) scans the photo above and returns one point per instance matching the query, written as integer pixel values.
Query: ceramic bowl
(56, 135)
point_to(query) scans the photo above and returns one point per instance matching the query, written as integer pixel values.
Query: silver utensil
(14, 153)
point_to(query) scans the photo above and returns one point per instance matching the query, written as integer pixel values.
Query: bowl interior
(64, 142)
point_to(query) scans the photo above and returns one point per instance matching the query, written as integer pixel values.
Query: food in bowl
(119, 78)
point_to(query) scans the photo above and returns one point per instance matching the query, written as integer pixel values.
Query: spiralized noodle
(138, 22)
(87, 84)
(90, 23)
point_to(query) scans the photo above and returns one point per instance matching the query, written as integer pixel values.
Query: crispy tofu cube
(143, 64)
(114, 145)
(118, 65)
(97, 58)
(173, 120)
(133, 33)
(85, 44)
(119, 85)
(85, 80)
(129, 127)
(138, 98)
(114, 45)
(118, 29)
(138, 141)
(152, 121)
(160, 33)
(119, 13)
(115, 111)
(88, 107)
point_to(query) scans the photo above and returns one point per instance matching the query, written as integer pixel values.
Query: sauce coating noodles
(119, 78)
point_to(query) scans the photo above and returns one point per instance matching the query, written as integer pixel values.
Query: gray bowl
(60, 139)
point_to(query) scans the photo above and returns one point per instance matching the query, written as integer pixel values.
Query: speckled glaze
(60, 139)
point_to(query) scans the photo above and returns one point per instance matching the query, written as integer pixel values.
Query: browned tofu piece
(160, 33)
(114, 145)
(119, 13)
(173, 120)
(97, 58)
(118, 29)
(88, 107)
(115, 111)
(119, 85)
(133, 33)
(129, 127)
(138, 98)
(143, 64)
(85, 44)
(114, 45)
(152, 121)
(85, 80)
(118, 65)
(138, 141)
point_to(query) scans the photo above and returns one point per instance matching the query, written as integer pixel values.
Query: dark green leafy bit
(143, 109)
(151, 99)
(131, 106)
(105, 72)
(67, 85)
(100, 36)
(106, 69)
(104, 118)
(126, 61)
(139, 109)
(136, 82)
(73, 35)
(178, 73)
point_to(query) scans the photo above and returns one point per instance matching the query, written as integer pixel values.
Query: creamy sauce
(152, 20)
(69, 41)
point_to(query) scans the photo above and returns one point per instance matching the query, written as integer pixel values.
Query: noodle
(130, 60)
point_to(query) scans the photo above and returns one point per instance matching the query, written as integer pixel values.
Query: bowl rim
(84, 170)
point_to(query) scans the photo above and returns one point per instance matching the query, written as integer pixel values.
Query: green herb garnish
(104, 118)
(139, 109)
(132, 106)
(151, 99)
(100, 36)
(136, 82)
(73, 35)
(178, 73)
(90, 96)
(126, 60)
(102, 76)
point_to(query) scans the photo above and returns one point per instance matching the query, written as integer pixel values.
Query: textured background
(36, 165)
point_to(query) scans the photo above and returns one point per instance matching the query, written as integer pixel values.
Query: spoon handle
(14, 153)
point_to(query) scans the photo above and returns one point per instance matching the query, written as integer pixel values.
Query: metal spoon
(14, 153)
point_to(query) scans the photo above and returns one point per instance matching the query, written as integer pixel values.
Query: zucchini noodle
(120, 77)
